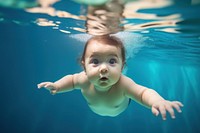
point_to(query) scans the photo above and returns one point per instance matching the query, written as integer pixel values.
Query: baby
(107, 91)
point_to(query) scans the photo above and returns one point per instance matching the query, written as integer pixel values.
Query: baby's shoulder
(125, 82)
(124, 79)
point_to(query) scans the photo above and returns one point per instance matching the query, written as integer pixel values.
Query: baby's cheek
(116, 74)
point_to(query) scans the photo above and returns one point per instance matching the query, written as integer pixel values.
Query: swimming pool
(163, 53)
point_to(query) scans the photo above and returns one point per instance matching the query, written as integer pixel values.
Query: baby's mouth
(103, 78)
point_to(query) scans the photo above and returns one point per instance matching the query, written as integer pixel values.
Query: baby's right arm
(66, 83)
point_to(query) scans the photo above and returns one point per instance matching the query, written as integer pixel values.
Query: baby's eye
(95, 61)
(113, 61)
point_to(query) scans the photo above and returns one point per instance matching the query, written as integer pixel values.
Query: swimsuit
(129, 101)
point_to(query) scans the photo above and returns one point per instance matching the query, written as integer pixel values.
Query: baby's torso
(111, 103)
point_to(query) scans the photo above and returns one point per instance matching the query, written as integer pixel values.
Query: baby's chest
(108, 99)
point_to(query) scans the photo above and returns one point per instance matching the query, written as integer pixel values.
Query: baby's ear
(123, 65)
(83, 64)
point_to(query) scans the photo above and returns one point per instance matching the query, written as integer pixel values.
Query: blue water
(29, 54)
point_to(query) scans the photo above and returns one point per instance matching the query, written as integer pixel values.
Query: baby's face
(103, 65)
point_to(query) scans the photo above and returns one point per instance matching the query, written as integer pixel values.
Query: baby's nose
(104, 68)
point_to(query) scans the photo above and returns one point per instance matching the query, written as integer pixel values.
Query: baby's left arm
(159, 105)
(150, 98)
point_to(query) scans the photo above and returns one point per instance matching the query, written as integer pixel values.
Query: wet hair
(108, 40)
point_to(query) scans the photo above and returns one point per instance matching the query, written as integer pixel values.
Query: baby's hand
(49, 86)
(164, 105)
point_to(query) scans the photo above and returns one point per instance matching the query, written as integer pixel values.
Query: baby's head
(103, 60)
(105, 40)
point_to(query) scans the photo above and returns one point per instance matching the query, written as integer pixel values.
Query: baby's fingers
(171, 111)
(162, 112)
(177, 106)
(155, 111)
(47, 85)
(42, 85)
(53, 92)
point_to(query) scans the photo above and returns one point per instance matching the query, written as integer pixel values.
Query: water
(164, 57)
